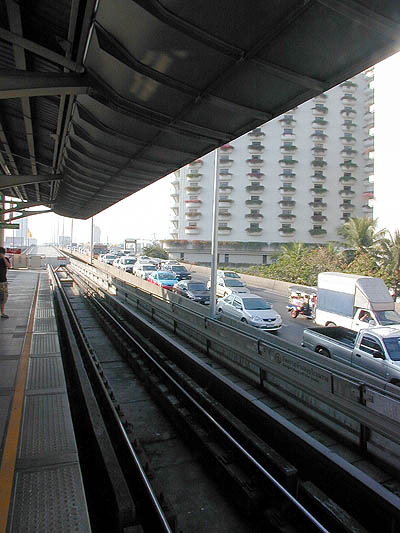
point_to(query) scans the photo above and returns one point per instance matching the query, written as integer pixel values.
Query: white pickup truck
(375, 350)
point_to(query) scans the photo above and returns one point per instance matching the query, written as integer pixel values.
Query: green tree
(391, 261)
(155, 251)
(361, 235)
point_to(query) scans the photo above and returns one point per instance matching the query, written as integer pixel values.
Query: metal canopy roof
(100, 99)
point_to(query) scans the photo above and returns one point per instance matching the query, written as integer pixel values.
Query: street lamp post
(214, 238)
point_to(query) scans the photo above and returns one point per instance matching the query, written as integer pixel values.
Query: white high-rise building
(295, 179)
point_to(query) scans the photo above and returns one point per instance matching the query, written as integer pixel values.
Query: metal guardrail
(363, 409)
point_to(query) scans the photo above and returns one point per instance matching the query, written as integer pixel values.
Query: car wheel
(331, 324)
(243, 320)
(324, 352)
(220, 311)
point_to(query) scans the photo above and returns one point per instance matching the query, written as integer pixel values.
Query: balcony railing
(256, 133)
(287, 231)
(254, 216)
(227, 188)
(253, 202)
(194, 176)
(255, 161)
(318, 191)
(227, 148)
(255, 188)
(225, 201)
(196, 164)
(368, 195)
(253, 230)
(190, 188)
(320, 97)
(351, 100)
(287, 203)
(287, 190)
(192, 201)
(192, 230)
(348, 140)
(258, 175)
(287, 177)
(224, 229)
(287, 162)
(282, 216)
(318, 136)
(290, 148)
(192, 216)
(349, 86)
(287, 121)
(319, 218)
(318, 150)
(318, 164)
(317, 232)
(348, 165)
(225, 162)
(319, 122)
(225, 175)
(318, 205)
(223, 214)
(255, 148)
(348, 152)
(349, 127)
(348, 113)
(318, 178)
(347, 179)
(347, 206)
(320, 110)
(288, 136)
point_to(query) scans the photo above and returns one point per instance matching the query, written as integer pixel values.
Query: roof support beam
(58, 59)
(16, 181)
(19, 83)
(29, 214)
(19, 207)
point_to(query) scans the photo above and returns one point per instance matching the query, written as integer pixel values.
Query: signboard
(13, 250)
(4, 225)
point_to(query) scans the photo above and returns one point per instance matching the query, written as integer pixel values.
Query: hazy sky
(146, 213)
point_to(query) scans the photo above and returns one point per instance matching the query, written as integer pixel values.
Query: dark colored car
(194, 290)
(180, 271)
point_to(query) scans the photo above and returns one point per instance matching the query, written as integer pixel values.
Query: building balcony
(253, 202)
(367, 209)
(225, 188)
(224, 215)
(287, 231)
(368, 195)
(287, 203)
(346, 193)
(369, 141)
(318, 178)
(255, 188)
(282, 216)
(348, 100)
(318, 205)
(369, 167)
(175, 180)
(193, 203)
(287, 177)
(256, 133)
(192, 230)
(253, 231)
(255, 175)
(254, 216)
(225, 203)
(175, 209)
(287, 162)
(319, 150)
(349, 86)
(348, 165)
(369, 92)
(369, 119)
(348, 140)
(349, 127)
(318, 137)
(288, 149)
(255, 148)
(285, 121)
(319, 218)
(287, 190)
(225, 176)
(347, 206)
(316, 163)
(317, 232)
(348, 153)
(225, 163)
(196, 164)
(320, 97)
(173, 233)
(224, 230)
(194, 176)
(226, 148)
(191, 215)
(174, 194)
(318, 191)
(319, 123)
(254, 162)
(319, 110)
(348, 113)
(347, 179)
(175, 223)
(288, 136)
(191, 188)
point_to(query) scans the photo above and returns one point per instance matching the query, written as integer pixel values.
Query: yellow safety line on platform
(11, 443)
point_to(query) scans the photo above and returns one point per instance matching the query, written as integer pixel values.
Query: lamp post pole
(214, 238)
(91, 242)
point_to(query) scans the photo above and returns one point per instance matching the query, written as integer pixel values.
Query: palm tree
(391, 258)
(361, 235)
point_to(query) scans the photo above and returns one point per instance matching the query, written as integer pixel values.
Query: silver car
(251, 309)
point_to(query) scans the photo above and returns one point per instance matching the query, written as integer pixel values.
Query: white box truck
(354, 302)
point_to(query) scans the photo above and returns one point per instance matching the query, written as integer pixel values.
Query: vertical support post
(91, 242)
(3, 207)
(72, 230)
(214, 238)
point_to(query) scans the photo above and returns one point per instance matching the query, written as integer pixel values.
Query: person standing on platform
(4, 265)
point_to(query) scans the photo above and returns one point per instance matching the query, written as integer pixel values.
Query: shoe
(5, 316)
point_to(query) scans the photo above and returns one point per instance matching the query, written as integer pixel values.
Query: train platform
(41, 486)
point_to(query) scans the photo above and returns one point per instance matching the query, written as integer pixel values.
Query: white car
(227, 274)
(251, 309)
(229, 286)
(116, 261)
(126, 263)
(143, 270)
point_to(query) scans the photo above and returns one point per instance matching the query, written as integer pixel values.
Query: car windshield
(253, 304)
(111, 257)
(129, 261)
(197, 287)
(231, 275)
(233, 283)
(178, 269)
(147, 267)
(392, 345)
(387, 318)
(166, 275)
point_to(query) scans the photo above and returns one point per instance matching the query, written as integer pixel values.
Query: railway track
(207, 461)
